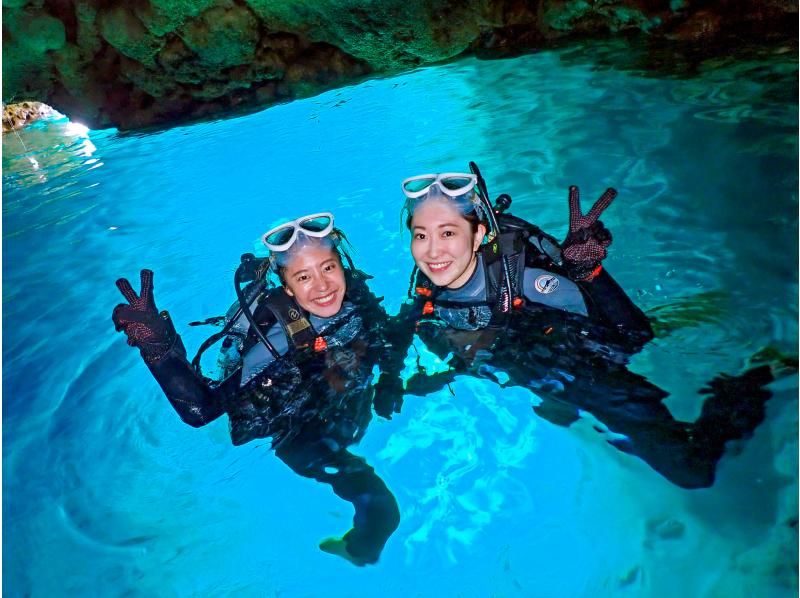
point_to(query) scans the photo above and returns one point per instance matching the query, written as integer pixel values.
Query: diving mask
(282, 237)
(452, 184)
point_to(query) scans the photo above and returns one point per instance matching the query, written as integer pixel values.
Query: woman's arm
(394, 336)
(196, 400)
(580, 261)
(608, 303)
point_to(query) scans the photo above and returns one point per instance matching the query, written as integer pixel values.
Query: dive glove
(388, 395)
(585, 246)
(152, 332)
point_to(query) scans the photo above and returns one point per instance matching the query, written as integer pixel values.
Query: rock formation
(18, 115)
(158, 62)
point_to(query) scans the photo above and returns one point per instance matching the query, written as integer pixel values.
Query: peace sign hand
(585, 246)
(151, 332)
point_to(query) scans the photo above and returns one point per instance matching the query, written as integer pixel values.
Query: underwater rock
(663, 529)
(772, 563)
(16, 116)
(631, 577)
(161, 62)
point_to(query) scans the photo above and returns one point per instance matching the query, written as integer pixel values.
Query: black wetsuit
(313, 404)
(569, 343)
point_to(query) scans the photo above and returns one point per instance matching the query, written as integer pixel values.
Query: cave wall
(160, 62)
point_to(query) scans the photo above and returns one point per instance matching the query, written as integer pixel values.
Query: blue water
(107, 493)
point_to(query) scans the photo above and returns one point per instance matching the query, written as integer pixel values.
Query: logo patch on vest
(294, 314)
(546, 283)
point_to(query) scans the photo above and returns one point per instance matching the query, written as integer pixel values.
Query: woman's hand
(587, 241)
(152, 332)
(388, 395)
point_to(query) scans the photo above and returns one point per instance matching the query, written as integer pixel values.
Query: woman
(296, 366)
(498, 294)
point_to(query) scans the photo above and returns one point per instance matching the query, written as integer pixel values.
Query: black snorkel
(250, 269)
(483, 195)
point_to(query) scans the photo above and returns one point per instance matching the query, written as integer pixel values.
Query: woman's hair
(335, 241)
(468, 205)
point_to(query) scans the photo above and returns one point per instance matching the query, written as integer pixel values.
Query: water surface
(106, 492)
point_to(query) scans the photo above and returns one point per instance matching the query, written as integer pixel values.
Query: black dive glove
(152, 332)
(388, 395)
(586, 244)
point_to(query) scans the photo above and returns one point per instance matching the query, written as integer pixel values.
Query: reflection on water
(45, 150)
(97, 469)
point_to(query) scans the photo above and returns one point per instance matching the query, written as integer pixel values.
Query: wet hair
(335, 241)
(468, 205)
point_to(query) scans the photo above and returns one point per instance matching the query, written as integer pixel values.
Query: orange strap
(595, 273)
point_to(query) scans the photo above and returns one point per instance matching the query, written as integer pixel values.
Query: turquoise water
(107, 493)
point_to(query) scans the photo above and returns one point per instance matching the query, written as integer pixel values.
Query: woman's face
(443, 244)
(315, 278)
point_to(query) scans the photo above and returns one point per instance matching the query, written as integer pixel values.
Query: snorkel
(494, 234)
(251, 269)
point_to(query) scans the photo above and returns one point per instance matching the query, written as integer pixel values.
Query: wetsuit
(313, 404)
(569, 342)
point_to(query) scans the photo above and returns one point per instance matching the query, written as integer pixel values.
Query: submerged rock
(159, 62)
(661, 529)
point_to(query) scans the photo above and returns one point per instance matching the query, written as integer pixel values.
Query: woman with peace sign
(477, 266)
(299, 350)
(492, 293)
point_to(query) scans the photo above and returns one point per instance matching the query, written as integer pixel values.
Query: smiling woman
(296, 367)
(445, 244)
(549, 317)
(316, 281)
(304, 255)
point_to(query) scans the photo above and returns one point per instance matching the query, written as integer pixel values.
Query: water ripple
(705, 239)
